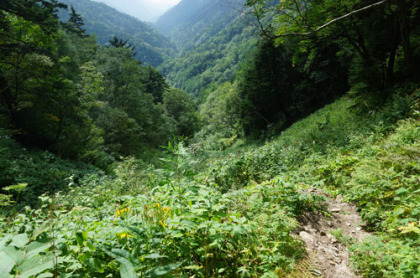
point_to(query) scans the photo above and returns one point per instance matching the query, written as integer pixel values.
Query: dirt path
(330, 256)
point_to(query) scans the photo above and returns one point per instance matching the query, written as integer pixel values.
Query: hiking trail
(329, 254)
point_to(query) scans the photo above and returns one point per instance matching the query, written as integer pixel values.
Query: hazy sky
(146, 10)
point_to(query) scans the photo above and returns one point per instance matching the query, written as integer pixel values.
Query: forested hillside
(289, 147)
(215, 60)
(63, 92)
(151, 47)
(193, 22)
(213, 39)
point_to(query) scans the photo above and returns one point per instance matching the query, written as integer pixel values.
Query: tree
(220, 112)
(351, 24)
(120, 43)
(41, 12)
(75, 23)
(266, 87)
(278, 85)
(155, 84)
(178, 106)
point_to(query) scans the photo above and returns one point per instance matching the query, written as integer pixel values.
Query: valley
(227, 139)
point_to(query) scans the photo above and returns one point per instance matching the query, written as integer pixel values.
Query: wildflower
(123, 235)
(166, 209)
(163, 224)
(120, 212)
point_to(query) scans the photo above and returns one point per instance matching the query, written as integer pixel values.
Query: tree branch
(311, 32)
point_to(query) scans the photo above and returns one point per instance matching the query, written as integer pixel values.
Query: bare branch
(311, 32)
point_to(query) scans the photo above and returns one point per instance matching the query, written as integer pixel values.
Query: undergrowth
(232, 215)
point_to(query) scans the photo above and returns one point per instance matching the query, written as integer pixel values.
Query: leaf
(126, 269)
(95, 264)
(238, 231)
(20, 240)
(81, 237)
(125, 254)
(3, 241)
(155, 256)
(138, 232)
(411, 228)
(402, 191)
(35, 265)
(17, 187)
(36, 247)
(45, 275)
(15, 254)
(5, 275)
(162, 270)
(6, 263)
(44, 227)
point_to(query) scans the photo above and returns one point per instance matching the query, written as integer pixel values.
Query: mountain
(140, 9)
(193, 22)
(151, 47)
(214, 37)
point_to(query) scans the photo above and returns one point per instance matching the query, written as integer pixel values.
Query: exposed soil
(330, 255)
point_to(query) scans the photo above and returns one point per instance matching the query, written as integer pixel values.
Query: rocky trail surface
(329, 254)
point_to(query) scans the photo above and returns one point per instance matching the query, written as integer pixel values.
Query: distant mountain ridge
(151, 47)
(139, 9)
(193, 22)
(213, 38)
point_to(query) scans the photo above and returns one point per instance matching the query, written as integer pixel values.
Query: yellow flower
(123, 235)
(121, 212)
(163, 224)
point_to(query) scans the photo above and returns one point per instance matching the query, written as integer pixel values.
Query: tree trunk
(404, 23)
(7, 97)
(393, 53)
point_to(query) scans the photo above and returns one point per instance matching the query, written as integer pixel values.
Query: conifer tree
(76, 23)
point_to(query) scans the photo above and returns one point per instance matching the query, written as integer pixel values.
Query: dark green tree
(378, 35)
(120, 43)
(178, 106)
(278, 86)
(155, 84)
(75, 23)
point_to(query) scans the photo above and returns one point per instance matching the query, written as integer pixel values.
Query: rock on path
(330, 256)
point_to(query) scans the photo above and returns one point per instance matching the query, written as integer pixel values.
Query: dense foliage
(86, 192)
(381, 37)
(191, 22)
(212, 47)
(63, 92)
(237, 216)
(299, 65)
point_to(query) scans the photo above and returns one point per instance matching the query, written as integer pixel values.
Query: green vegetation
(151, 47)
(63, 92)
(237, 216)
(87, 190)
(212, 47)
(192, 23)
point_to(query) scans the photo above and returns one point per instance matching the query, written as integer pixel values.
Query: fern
(305, 268)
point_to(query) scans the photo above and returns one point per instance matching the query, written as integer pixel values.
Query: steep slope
(151, 46)
(193, 22)
(214, 38)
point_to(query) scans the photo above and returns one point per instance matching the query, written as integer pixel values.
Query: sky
(146, 10)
